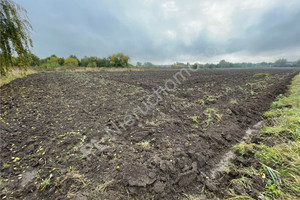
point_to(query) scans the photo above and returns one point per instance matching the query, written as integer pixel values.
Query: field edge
(16, 72)
(267, 166)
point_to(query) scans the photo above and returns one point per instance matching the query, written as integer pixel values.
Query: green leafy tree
(92, 64)
(75, 57)
(281, 62)
(61, 61)
(52, 61)
(119, 60)
(72, 62)
(84, 61)
(14, 34)
(139, 64)
(90, 61)
(298, 63)
(148, 64)
(104, 62)
(224, 64)
(34, 60)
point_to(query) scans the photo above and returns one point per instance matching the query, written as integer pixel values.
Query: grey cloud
(153, 30)
(278, 29)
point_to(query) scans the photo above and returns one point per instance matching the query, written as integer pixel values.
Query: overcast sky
(166, 31)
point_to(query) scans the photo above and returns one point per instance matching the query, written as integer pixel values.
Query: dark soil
(50, 120)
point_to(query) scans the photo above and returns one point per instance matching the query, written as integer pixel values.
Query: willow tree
(15, 31)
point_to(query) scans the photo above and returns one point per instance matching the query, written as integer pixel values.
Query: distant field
(50, 120)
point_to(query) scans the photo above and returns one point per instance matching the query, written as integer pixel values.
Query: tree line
(115, 60)
(278, 63)
(224, 64)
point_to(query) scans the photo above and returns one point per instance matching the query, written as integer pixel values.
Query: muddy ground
(55, 145)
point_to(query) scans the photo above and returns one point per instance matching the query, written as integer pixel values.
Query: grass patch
(200, 101)
(280, 162)
(261, 75)
(15, 73)
(212, 114)
(243, 148)
(45, 183)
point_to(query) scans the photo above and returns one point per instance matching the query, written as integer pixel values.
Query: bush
(71, 62)
(92, 64)
(119, 60)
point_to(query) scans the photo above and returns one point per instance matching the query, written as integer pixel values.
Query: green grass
(261, 75)
(212, 114)
(281, 161)
(195, 119)
(243, 148)
(15, 73)
(45, 183)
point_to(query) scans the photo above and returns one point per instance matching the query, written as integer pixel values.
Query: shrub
(71, 62)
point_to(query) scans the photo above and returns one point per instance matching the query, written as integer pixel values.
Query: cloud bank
(166, 31)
